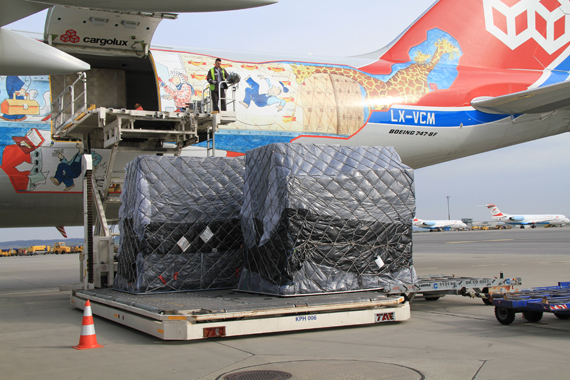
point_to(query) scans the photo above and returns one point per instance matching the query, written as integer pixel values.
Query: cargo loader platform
(225, 313)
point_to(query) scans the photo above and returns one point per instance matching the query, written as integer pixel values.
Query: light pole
(448, 215)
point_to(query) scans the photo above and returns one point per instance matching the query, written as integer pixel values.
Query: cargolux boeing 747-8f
(527, 220)
(467, 77)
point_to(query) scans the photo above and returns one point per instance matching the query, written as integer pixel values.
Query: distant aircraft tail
(494, 210)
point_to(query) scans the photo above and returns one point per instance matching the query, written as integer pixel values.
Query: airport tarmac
(452, 338)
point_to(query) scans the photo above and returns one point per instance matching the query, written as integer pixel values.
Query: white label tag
(183, 243)
(379, 262)
(207, 235)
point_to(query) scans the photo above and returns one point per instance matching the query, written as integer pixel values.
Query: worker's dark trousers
(215, 99)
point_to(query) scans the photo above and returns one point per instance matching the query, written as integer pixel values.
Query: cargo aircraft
(527, 220)
(467, 77)
(439, 224)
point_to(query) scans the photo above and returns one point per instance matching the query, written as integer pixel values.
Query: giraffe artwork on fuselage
(406, 86)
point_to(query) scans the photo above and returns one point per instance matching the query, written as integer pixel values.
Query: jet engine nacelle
(516, 218)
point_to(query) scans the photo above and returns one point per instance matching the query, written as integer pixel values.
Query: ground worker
(216, 76)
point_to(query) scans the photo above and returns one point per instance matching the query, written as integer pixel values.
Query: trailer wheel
(431, 298)
(532, 316)
(562, 316)
(504, 316)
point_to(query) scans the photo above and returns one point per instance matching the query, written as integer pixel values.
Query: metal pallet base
(225, 313)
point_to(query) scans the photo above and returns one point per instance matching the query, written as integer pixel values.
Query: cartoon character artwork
(178, 89)
(280, 101)
(18, 103)
(68, 170)
(266, 99)
(23, 161)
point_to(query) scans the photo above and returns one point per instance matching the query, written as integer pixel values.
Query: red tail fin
(504, 47)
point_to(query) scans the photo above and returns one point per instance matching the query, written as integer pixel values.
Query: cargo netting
(180, 224)
(326, 218)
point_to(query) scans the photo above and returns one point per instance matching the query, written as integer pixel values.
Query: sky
(529, 178)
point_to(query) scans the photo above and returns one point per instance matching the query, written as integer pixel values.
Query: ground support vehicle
(61, 248)
(532, 303)
(39, 250)
(433, 287)
(221, 313)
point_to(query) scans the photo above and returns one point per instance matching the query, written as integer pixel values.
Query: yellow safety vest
(213, 75)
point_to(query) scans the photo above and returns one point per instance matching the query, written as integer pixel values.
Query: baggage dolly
(532, 303)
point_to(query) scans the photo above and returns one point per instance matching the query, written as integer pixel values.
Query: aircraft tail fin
(494, 210)
(496, 34)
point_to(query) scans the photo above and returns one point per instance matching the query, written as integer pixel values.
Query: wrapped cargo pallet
(326, 218)
(180, 224)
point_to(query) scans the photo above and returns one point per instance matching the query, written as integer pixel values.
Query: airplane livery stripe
(433, 118)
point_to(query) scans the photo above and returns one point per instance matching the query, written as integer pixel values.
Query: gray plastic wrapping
(326, 218)
(180, 224)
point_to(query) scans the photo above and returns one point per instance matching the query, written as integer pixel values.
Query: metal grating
(258, 375)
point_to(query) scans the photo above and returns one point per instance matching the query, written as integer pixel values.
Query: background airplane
(527, 220)
(426, 119)
(439, 224)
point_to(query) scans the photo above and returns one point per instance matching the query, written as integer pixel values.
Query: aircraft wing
(18, 10)
(162, 5)
(538, 100)
(20, 55)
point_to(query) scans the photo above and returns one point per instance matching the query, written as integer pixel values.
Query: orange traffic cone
(87, 339)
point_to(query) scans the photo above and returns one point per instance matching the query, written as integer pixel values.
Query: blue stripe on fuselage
(432, 118)
(241, 141)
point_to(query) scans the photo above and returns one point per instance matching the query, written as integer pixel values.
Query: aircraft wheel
(504, 316)
(532, 316)
(533, 226)
(487, 301)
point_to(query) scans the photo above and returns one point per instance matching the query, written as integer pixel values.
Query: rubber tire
(562, 316)
(487, 301)
(532, 316)
(431, 298)
(504, 316)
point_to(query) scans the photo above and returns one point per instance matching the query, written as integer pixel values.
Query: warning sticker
(207, 234)
(183, 243)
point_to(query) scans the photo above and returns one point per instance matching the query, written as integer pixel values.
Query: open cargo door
(96, 32)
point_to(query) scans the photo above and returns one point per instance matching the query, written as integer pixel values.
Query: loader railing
(69, 105)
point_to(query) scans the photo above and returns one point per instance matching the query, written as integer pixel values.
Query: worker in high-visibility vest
(216, 76)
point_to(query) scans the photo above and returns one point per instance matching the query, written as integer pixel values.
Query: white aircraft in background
(527, 220)
(439, 224)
